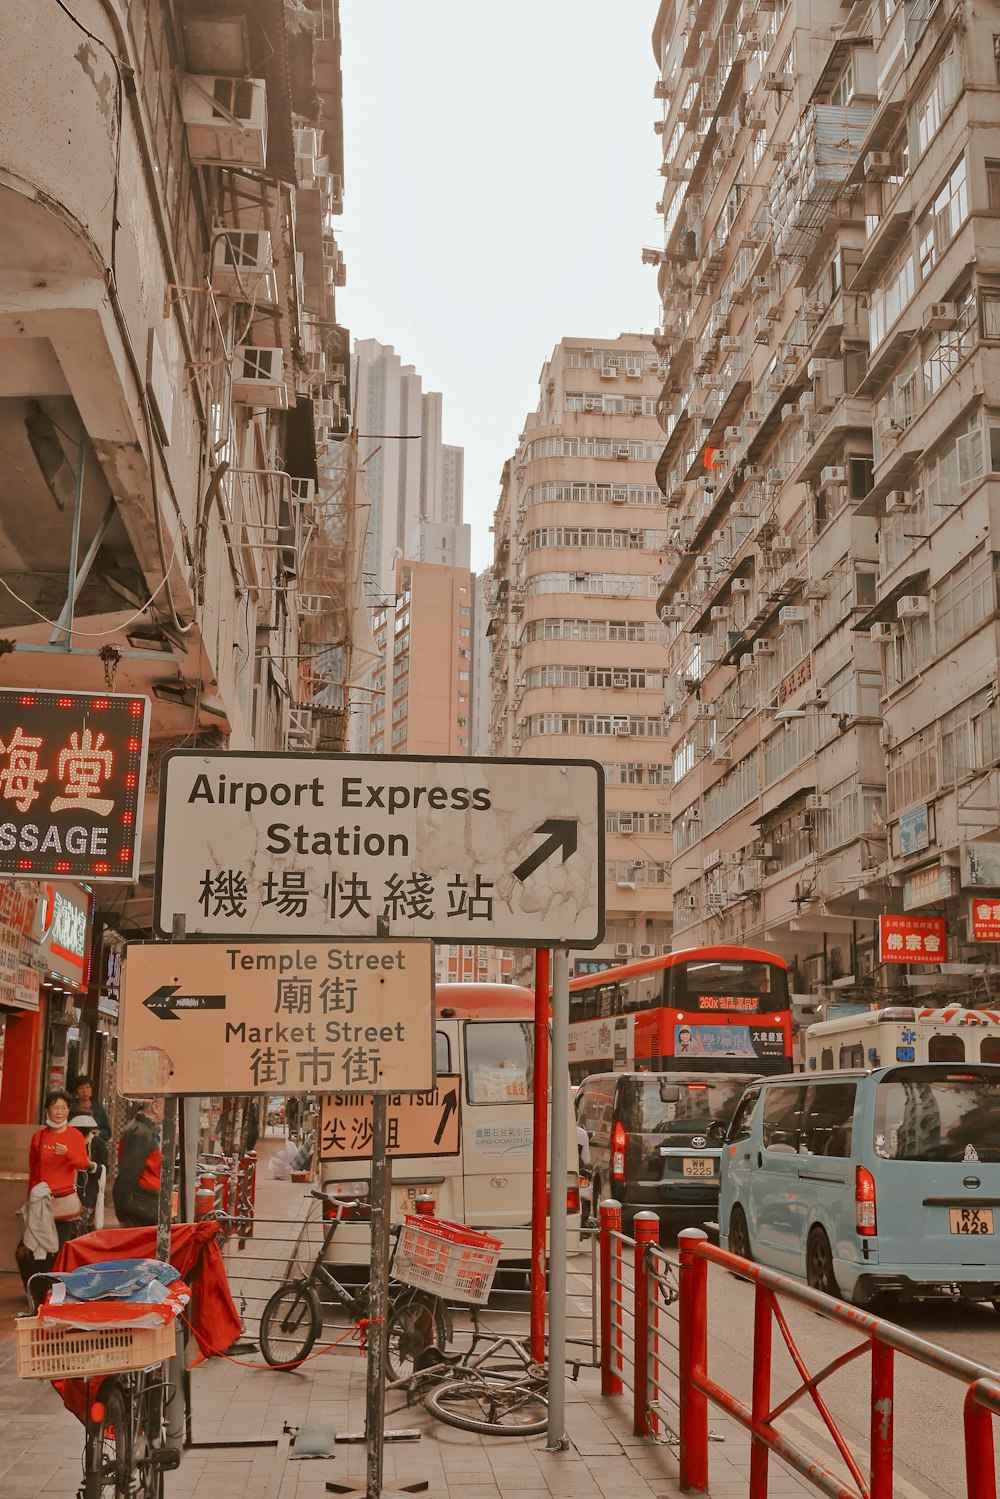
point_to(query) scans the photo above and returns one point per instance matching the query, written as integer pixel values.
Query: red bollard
(979, 1462)
(645, 1231)
(760, 1394)
(204, 1201)
(880, 1486)
(610, 1218)
(692, 1330)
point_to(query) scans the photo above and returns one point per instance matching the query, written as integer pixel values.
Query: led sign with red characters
(72, 776)
(745, 1002)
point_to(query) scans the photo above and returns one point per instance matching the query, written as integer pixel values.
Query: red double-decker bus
(719, 1009)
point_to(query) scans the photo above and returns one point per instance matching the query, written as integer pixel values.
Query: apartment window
(943, 219)
(913, 774)
(889, 299)
(854, 811)
(463, 676)
(936, 99)
(658, 775)
(963, 600)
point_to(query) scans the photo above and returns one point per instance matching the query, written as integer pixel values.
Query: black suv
(655, 1140)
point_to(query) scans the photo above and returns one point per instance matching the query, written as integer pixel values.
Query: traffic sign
(417, 1124)
(460, 850)
(297, 1017)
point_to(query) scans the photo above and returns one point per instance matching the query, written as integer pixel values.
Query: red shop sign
(912, 939)
(984, 919)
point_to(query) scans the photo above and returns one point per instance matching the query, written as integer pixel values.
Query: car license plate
(698, 1166)
(971, 1220)
(406, 1197)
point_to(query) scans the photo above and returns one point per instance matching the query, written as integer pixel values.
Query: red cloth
(194, 1254)
(46, 1164)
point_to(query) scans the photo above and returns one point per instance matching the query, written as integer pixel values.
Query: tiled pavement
(40, 1443)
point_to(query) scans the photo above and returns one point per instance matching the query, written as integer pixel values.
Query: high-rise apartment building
(830, 322)
(577, 651)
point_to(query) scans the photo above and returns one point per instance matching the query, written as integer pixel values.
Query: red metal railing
(633, 1277)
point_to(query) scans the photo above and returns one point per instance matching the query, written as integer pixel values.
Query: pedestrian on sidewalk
(91, 1183)
(136, 1192)
(86, 1103)
(56, 1153)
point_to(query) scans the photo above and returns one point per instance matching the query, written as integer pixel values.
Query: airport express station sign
(298, 1017)
(458, 850)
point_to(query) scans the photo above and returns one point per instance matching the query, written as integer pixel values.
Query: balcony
(821, 152)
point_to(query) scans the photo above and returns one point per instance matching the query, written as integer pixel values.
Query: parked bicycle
(125, 1446)
(499, 1391)
(292, 1320)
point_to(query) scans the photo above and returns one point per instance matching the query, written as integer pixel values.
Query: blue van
(870, 1182)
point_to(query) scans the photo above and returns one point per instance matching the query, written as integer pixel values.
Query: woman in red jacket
(57, 1152)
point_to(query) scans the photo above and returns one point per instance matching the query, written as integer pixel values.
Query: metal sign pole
(557, 1439)
(378, 1301)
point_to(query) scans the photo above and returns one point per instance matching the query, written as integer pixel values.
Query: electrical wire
(86, 634)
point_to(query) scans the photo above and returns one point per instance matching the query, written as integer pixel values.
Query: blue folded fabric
(118, 1280)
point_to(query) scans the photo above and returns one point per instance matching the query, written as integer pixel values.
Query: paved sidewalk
(41, 1444)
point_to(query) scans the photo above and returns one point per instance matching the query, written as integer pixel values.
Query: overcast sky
(501, 172)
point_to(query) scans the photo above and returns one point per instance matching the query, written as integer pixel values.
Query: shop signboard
(19, 980)
(912, 939)
(64, 948)
(72, 777)
(984, 919)
(981, 865)
(925, 887)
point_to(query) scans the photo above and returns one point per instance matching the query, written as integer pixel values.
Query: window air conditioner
(225, 120)
(880, 165)
(626, 825)
(619, 679)
(619, 497)
(621, 450)
(721, 752)
(789, 411)
(623, 726)
(818, 801)
(259, 377)
(730, 344)
(734, 434)
(782, 543)
(623, 949)
(303, 491)
(763, 648)
(778, 83)
(911, 606)
(760, 284)
(242, 264)
(704, 710)
(883, 631)
(898, 499)
(940, 316)
(831, 475)
(741, 585)
(691, 902)
(694, 814)
(719, 611)
(792, 614)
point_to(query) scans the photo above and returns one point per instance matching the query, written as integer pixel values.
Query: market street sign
(72, 778)
(459, 850)
(417, 1124)
(285, 1017)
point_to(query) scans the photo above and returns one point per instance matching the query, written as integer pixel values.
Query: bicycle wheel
(108, 1456)
(491, 1409)
(415, 1321)
(147, 1471)
(290, 1325)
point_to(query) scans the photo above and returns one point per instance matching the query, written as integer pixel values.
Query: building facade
(829, 292)
(174, 386)
(577, 659)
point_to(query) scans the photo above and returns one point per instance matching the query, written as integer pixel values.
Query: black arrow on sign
(450, 1107)
(562, 835)
(165, 1002)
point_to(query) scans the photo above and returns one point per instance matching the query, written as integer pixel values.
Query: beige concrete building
(829, 286)
(173, 409)
(577, 653)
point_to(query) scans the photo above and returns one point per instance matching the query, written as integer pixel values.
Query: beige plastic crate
(51, 1350)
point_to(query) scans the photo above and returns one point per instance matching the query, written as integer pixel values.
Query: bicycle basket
(445, 1258)
(49, 1350)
